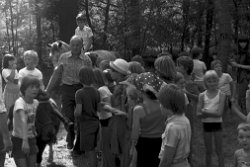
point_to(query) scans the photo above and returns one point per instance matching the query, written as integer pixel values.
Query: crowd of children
(133, 117)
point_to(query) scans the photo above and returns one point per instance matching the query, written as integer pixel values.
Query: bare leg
(208, 145)
(218, 148)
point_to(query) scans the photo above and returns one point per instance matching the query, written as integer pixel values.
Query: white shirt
(33, 73)
(104, 93)
(198, 70)
(6, 72)
(224, 83)
(2, 106)
(86, 33)
(30, 112)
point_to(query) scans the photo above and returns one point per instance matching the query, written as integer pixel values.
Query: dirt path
(62, 156)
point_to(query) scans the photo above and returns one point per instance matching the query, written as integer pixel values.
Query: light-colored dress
(11, 90)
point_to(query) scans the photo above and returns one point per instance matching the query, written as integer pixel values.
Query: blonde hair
(245, 126)
(210, 74)
(31, 53)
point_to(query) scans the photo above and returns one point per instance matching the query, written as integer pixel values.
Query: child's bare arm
(138, 113)
(200, 105)
(25, 144)
(236, 109)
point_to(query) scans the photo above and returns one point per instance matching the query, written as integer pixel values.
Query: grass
(230, 144)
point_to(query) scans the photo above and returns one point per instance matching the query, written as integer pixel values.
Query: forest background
(130, 27)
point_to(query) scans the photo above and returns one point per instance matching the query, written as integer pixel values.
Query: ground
(63, 158)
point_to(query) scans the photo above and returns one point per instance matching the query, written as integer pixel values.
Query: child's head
(196, 53)
(119, 69)
(165, 68)
(81, 20)
(211, 80)
(139, 59)
(135, 67)
(244, 135)
(185, 65)
(31, 59)
(134, 96)
(104, 65)
(30, 86)
(86, 76)
(9, 61)
(99, 77)
(172, 98)
(217, 66)
(179, 80)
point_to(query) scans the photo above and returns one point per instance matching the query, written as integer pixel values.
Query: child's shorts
(88, 135)
(212, 127)
(17, 147)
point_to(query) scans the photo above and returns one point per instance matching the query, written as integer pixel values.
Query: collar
(174, 117)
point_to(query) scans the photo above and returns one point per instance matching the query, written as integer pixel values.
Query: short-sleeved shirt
(85, 34)
(104, 93)
(198, 70)
(36, 73)
(29, 112)
(6, 73)
(224, 83)
(89, 98)
(72, 66)
(241, 158)
(178, 135)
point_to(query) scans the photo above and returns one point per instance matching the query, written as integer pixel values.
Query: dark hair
(139, 59)
(27, 82)
(6, 59)
(195, 52)
(104, 64)
(86, 76)
(93, 57)
(173, 98)
(150, 95)
(135, 67)
(187, 63)
(99, 77)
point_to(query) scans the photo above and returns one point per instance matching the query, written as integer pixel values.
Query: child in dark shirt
(87, 100)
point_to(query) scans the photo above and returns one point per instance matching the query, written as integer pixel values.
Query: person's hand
(77, 113)
(234, 64)
(7, 145)
(25, 147)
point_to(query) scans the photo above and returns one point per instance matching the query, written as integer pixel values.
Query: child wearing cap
(148, 121)
(242, 155)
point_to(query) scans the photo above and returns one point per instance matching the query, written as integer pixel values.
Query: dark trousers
(68, 107)
(41, 144)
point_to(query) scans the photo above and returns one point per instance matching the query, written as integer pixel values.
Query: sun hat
(148, 81)
(120, 65)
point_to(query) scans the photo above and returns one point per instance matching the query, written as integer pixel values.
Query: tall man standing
(69, 66)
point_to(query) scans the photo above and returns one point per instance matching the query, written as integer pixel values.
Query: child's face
(244, 139)
(212, 82)
(30, 62)
(180, 68)
(31, 91)
(80, 23)
(218, 69)
(12, 64)
(181, 83)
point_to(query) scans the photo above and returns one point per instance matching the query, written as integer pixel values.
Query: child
(10, 76)
(31, 61)
(84, 31)
(242, 156)
(199, 66)
(148, 121)
(136, 67)
(225, 81)
(210, 109)
(24, 133)
(87, 99)
(176, 139)
(180, 83)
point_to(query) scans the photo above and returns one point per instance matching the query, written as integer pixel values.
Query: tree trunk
(7, 29)
(12, 26)
(185, 6)
(199, 24)
(67, 10)
(209, 24)
(225, 32)
(106, 21)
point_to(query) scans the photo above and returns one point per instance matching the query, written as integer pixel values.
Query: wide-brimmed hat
(120, 65)
(148, 81)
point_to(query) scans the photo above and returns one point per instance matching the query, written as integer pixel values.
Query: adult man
(84, 31)
(70, 64)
